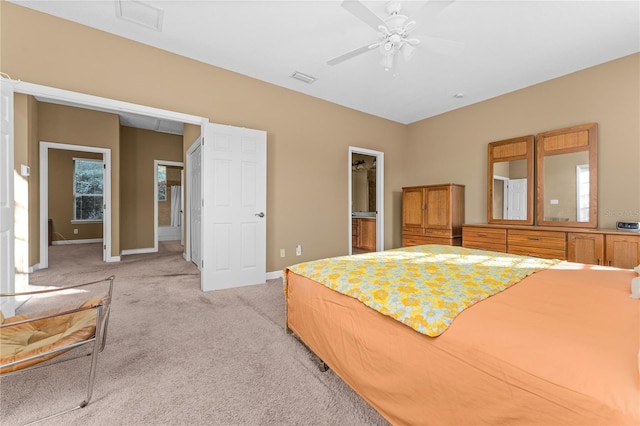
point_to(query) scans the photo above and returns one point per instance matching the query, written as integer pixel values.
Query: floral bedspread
(424, 287)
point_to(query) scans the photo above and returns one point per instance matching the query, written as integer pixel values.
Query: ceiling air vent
(140, 13)
(303, 77)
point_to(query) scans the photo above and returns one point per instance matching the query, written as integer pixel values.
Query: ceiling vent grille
(140, 13)
(303, 77)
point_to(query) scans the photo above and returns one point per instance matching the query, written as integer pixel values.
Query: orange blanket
(560, 347)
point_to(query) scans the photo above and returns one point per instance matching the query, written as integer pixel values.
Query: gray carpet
(176, 355)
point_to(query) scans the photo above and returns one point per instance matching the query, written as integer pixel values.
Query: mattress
(559, 347)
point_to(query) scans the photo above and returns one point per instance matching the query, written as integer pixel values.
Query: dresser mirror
(510, 181)
(567, 177)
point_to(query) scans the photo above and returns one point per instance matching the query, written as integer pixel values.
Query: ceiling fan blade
(442, 46)
(353, 53)
(363, 13)
(427, 15)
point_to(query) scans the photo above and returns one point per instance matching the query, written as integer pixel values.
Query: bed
(558, 346)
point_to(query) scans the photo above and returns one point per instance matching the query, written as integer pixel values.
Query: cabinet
(585, 248)
(622, 251)
(363, 233)
(432, 214)
(590, 246)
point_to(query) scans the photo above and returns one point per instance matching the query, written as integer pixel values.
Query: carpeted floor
(176, 355)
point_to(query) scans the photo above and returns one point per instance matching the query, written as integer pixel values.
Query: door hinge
(202, 264)
(104, 247)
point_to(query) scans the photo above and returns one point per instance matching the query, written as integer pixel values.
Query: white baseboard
(139, 251)
(113, 259)
(274, 274)
(86, 241)
(34, 268)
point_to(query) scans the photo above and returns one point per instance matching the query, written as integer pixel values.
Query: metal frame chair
(26, 361)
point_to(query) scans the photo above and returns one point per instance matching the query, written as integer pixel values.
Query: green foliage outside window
(88, 189)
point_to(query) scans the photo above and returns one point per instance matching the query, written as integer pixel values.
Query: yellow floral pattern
(424, 287)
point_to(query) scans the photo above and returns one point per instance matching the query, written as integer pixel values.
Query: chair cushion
(41, 336)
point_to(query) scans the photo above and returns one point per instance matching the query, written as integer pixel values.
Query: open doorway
(40, 230)
(168, 196)
(75, 197)
(366, 200)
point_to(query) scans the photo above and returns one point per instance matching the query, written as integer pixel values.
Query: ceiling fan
(394, 32)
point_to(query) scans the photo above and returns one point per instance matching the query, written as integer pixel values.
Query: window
(582, 189)
(162, 183)
(87, 189)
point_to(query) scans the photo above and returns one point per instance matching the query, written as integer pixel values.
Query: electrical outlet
(298, 250)
(75, 230)
(281, 252)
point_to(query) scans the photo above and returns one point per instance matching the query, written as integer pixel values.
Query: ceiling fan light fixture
(387, 62)
(407, 51)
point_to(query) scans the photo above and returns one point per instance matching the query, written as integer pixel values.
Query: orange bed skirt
(560, 347)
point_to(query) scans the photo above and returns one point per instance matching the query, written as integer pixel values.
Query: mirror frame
(520, 148)
(563, 141)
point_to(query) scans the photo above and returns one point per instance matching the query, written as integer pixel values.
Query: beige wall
(21, 184)
(61, 202)
(27, 213)
(139, 148)
(77, 126)
(452, 147)
(308, 138)
(307, 200)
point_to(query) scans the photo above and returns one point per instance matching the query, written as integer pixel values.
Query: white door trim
(82, 100)
(187, 243)
(157, 163)
(44, 198)
(379, 194)
(7, 222)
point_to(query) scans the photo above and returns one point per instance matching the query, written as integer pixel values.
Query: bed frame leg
(323, 366)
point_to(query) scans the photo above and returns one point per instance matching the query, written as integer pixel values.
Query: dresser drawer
(546, 244)
(438, 233)
(484, 238)
(538, 252)
(409, 240)
(543, 239)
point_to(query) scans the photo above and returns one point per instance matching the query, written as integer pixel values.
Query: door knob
(259, 214)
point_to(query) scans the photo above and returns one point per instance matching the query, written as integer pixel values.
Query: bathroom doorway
(169, 201)
(366, 200)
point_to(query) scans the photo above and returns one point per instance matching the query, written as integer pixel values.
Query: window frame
(161, 183)
(75, 195)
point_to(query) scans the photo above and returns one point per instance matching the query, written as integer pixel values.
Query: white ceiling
(508, 45)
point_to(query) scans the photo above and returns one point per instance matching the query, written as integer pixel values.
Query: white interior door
(517, 199)
(195, 210)
(7, 267)
(234, 229)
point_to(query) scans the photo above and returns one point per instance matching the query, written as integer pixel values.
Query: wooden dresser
(432, 214)
(593, 246)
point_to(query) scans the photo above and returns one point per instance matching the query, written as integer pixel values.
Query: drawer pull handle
(482, 235)
(534, 238)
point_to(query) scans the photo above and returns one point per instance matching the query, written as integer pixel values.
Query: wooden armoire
(432, 214)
